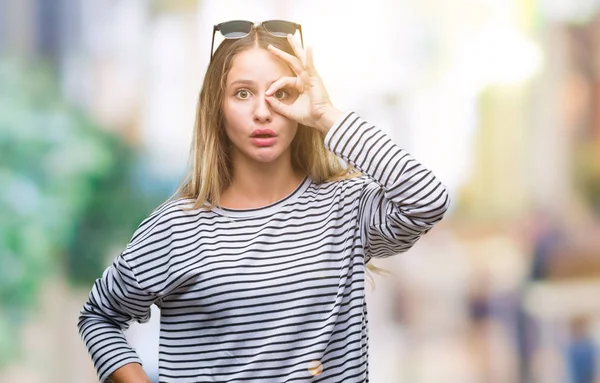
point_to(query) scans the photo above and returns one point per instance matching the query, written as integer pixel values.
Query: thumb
(279, 107)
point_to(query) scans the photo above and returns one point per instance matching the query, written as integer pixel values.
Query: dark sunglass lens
(235, 29)
(280, 28)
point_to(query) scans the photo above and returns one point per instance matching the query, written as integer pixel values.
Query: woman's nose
(262, 110)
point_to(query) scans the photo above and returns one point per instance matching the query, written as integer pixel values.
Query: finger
(310, 64)
(279, 107)
(288, 81)
(297, 48)
(293, 61)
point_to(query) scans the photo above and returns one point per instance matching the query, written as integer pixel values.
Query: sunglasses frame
(253, 26)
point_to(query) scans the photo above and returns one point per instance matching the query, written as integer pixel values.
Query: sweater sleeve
(117, 298)
(401, 200)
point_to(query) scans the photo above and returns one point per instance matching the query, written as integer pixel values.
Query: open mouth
(263, 137)
(263, 133)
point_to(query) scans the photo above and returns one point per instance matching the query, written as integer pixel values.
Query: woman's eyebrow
(242, 82)
(249, 82)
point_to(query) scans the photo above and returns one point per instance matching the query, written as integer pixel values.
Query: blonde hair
(210, 163)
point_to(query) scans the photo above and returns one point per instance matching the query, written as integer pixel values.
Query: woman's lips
(263, 137)
(263, 141)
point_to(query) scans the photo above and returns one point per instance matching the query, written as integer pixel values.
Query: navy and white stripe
(259, 294)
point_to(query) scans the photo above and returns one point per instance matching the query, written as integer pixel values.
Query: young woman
(258, 265)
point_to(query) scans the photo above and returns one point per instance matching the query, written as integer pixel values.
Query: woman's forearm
(130, 373)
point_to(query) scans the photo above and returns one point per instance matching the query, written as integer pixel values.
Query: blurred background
(500, 98)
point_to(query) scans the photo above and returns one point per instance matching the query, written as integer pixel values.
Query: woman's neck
(258, 185)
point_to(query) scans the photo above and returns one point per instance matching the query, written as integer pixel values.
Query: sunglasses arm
(301, 38)
(212, 43)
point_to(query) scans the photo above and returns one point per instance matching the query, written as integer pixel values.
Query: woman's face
(257, 133)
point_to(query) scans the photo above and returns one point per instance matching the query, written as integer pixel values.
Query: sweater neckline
(268, 209)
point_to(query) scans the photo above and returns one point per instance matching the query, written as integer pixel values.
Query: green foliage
(117, 205)
(67, 195)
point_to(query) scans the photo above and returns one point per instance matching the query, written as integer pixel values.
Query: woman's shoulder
(172, 207)
(169, 213)
(356, 179)
(348, 184)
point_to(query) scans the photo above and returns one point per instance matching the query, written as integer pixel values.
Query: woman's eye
(280, 94)
(243, 94)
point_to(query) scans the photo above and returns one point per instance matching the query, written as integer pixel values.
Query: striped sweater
(272, 294)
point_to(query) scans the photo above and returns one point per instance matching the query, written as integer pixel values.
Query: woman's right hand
(312, 107)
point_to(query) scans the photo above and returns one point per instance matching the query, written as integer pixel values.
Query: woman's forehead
(257, 65)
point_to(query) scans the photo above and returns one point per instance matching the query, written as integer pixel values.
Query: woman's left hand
(313, 106)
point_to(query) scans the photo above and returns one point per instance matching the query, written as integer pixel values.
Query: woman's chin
(263, 155)
(260, 155)
(265, 159)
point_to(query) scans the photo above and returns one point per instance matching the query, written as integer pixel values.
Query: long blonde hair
(210, 162)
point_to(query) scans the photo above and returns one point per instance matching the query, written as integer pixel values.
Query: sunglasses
(237, 29)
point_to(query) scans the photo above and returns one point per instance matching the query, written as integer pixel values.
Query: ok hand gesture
(312, 107)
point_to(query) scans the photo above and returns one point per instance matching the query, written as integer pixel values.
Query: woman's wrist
(328, 118)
